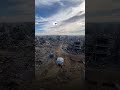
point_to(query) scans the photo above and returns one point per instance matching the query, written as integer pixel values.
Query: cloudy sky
(17, 10)
(59, 17)
(102, 10)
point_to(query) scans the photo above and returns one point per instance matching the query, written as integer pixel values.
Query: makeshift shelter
(60, 61)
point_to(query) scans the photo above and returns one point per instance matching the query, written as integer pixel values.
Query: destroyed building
(102, 56)
(16, 55)
(75, 47)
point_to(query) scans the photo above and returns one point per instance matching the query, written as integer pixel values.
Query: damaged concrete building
(102, 56)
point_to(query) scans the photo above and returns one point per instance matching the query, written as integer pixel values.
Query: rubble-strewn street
(49, 74)
(16, 55)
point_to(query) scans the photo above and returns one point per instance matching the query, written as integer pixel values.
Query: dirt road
(72, 72)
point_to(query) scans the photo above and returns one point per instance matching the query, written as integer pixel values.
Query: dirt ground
(49, 76)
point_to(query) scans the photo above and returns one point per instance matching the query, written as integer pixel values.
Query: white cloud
(62, 27)
(51, 2)
(45, 2)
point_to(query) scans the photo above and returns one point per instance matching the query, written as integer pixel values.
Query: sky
(59, 17)
(17, 10)
(103, 10)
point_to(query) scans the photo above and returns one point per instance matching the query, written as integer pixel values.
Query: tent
(60, 61)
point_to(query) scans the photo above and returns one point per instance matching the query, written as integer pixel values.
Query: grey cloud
(11, 9)
(102, 10)
(74, 18)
